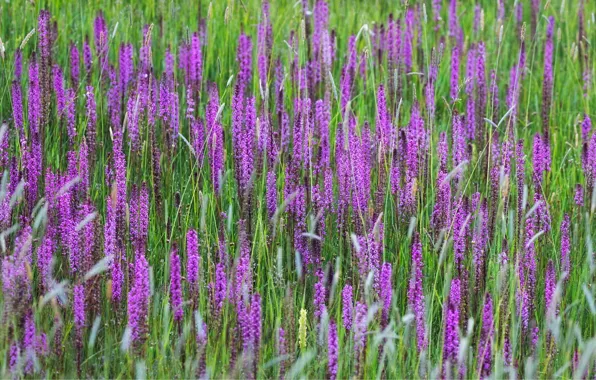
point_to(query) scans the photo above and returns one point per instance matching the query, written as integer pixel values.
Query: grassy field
(238, 189)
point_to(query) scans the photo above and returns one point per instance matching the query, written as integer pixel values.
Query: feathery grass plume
(302, 329)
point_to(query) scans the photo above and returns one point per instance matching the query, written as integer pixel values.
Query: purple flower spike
(386, 288)
(486, 339)
(138, 301)
(347, 307)
(176, 286)
(193, 258)
(416, 293)
(451, 320)
(332, 351)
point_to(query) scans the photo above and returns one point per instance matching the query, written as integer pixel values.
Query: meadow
(311, 189)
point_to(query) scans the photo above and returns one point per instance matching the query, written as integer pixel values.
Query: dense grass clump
(245, 189)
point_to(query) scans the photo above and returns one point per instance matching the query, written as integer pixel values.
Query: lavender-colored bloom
(320, 298)
(74, 65)
(16, 285)
(221, 287)
(547, 86)
(43, 29)
(18, 64)
(550, 284)
(133, 111)
(520, 171)
(360, 327)
(384, 126)
(565, 246)
(386, 289)
(59, 89)
(507, 351)
(416, 293)
(244, 59)
(101, 41)
(460, 232)
(408, 40)
(138, 301)
(265, 42)
(83, 172)
(126, 65)
(454, 72)
(469, 89)
(480, 242)
(460, 153)
(87, 56)
(451, 320)
(44, 257)
(271, 192)
(332, 351)
(256, 323)
(216, 143)
(453, 21)
(79, 306)
(114, 99)
(586, 128)
(195, 62)
(70, 111)
(120, 173)
(486, 338)
(481, 82)
(193, 258)
(110, 250)
(528, 272)
(176, 286)
(540, 158)
(579, 195)
(248, 136)
(347, 307)
(281, 350)
(17, 107)
(91, 114)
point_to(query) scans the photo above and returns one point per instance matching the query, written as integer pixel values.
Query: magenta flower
(176, 286)
(332, 351)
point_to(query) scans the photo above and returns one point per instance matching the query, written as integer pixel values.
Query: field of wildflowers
(312, 189)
